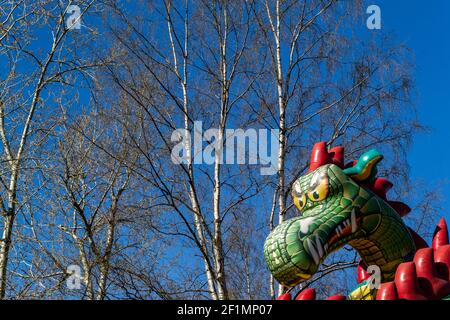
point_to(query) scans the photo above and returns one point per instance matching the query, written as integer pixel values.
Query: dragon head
(338, 205)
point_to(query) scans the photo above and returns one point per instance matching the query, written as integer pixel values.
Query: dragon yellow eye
(300, 202)
(318, 188)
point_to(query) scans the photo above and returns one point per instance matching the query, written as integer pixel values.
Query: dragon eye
(318, 187)
(300, 201)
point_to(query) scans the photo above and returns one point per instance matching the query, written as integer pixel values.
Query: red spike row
(307, 294)
(362, 274)
(407, 283)
(419, 242)
(285, 296)
(440, 236)
(428, 278)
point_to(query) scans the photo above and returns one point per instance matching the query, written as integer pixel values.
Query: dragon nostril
(315, 195)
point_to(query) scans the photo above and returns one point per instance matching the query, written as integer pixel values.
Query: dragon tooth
(312, 251)
(338, 231)
(353, 219)
(319, 246)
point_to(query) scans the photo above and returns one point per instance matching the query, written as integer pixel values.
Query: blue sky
(424, 27)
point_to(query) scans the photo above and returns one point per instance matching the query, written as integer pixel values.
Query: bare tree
(97, 208)
(32, 71)
(216, 52)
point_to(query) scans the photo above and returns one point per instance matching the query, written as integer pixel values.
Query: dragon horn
(337, 156)
(319, 156)
(440, 237)
(365, 169)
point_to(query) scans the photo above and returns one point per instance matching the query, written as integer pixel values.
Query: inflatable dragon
(347, 205)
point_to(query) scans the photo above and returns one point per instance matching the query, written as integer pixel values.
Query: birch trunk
(217, 243)
(282, 124)
(183, 81)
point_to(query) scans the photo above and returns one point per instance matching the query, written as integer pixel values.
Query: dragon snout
(292, 254)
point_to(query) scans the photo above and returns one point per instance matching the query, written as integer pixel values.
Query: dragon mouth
(319, 250)
(294, 253)
(345, 229)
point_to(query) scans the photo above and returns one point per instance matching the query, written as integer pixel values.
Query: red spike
(418, 240)
(337, 156)
(337, 297)
(381, 186)
(307, 294)
(440, 237)
(286, 296)
(442, 261)
(401, 208)
(407, 284)
(387, 291)
(362, 274)
(319, 156)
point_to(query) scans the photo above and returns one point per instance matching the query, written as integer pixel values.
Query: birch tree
(325, 80)
(217, 53)
(295, 66)
(32, 70)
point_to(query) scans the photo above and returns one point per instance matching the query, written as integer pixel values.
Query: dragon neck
(385, 241)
